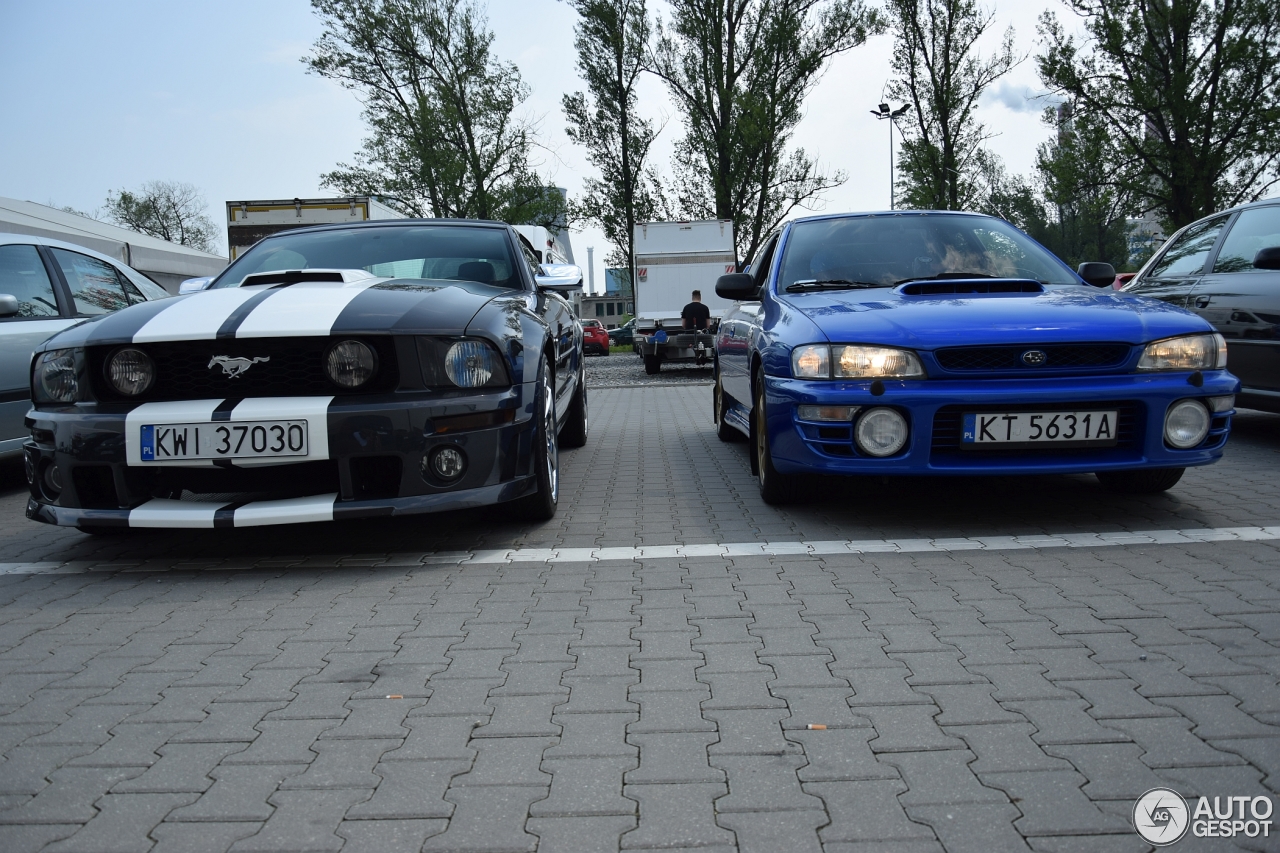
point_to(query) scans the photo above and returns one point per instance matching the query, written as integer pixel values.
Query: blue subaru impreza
(921, 342)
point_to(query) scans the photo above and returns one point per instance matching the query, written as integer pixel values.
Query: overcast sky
(103, 96)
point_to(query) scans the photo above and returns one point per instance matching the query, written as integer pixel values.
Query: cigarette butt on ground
(817, 727)
(398, 696)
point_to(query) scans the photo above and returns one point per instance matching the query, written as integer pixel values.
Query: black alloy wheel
(541, 505)
(574, 431)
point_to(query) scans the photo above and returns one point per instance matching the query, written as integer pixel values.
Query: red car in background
(594, 337)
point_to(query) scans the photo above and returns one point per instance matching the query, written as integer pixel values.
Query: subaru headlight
(854, 361)
(1188, 352)
(461, 363)
(57, 376)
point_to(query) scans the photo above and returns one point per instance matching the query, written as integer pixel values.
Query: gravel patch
(625, 370)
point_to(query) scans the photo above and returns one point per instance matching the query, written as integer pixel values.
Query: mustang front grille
(244, 367)
(1011, 358)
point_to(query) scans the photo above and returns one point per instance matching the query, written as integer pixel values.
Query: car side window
(1189, 252)
(1254, 229)
(760, 263)
(23, 276)
(95, 285)
(530, 259)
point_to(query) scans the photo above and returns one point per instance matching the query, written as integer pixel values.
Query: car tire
(724, 432)
(652, 364)
(776, 489)
(574, 431)
(1148, 481)
(541, 505)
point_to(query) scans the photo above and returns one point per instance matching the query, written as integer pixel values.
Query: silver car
(45, 286)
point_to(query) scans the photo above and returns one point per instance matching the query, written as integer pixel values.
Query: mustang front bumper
(933, 409)
(365, 458)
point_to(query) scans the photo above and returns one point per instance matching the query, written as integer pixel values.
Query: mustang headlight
(854, 361)
(131, 371)
(351, 363)
(1189, 352)
(57, 376)
(461, 363)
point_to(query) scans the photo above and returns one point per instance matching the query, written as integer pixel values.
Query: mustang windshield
(894, 248)
(452, 252)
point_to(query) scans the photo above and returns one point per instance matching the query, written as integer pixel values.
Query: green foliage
(1188, 92)
(170, 210)
(441, 109)
(941, 77)
(612, 38)
(739, 71)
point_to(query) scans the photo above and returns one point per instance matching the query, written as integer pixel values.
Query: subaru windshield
(885, 250)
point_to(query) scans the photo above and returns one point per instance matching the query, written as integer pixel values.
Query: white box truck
(250, 221)
(672, 260)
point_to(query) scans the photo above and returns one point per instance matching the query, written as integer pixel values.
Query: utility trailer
(672, 260)
(250, 221)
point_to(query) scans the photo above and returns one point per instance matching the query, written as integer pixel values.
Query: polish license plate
(240, 440)
(1011, 430)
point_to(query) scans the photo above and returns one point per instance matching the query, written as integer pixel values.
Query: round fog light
(448, 462)
(131, 371)
(51, 482)
(1186, 424)
(881, 432)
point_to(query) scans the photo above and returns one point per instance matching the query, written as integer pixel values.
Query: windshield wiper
(943, 275)
(829, 284)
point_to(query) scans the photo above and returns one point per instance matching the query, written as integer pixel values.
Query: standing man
(695, 315)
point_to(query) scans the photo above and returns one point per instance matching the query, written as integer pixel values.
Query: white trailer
(672, 260)
(250, 221)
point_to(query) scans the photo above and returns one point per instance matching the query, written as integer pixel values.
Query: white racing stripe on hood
(301, 310)
(196, 318)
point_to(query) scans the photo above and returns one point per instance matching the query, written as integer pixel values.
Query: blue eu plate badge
(148, 443)
(970, 428)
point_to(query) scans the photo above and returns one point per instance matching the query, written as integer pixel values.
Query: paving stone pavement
(353, 687)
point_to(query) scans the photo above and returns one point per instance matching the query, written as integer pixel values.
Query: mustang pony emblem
(233, 367)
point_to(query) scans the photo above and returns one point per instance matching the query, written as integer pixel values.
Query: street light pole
(892, 115)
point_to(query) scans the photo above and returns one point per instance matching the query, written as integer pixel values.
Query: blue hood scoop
(968, 286)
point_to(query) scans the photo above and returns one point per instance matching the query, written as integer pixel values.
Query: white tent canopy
(164, 262)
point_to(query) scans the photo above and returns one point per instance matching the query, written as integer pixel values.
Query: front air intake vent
(963, 286)
(292, 277)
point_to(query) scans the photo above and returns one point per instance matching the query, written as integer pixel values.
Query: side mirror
(562, 278)
(738, 286)
(9, 305)
(1099, 275)
(1267, 259)
(194, 285)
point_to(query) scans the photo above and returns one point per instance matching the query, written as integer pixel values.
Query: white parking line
(743, 549)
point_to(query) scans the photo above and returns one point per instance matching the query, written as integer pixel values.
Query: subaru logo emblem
(1034, 357)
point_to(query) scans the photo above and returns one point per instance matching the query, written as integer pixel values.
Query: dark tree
(170, 210)
(441, 108)
(739, 71)
(612, 40)
(940, 75)
(1187, 90)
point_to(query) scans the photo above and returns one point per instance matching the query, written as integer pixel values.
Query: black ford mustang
(343, 371)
